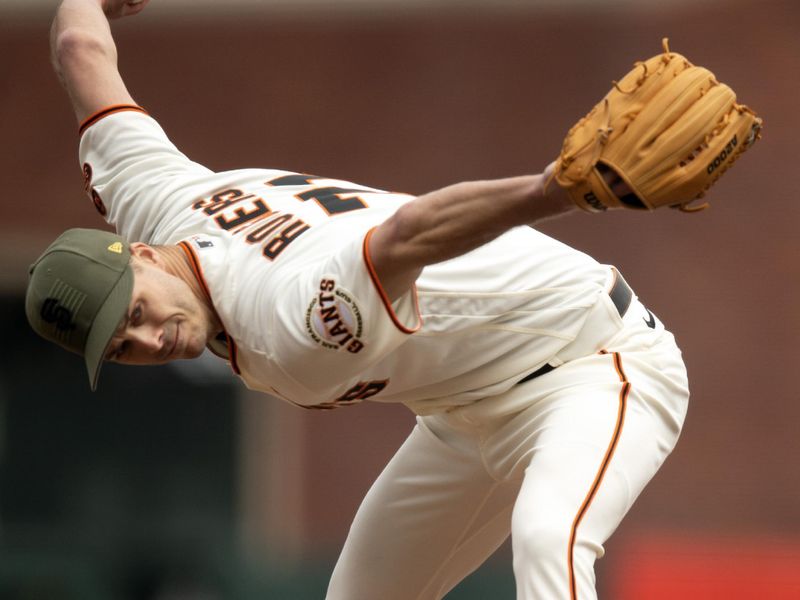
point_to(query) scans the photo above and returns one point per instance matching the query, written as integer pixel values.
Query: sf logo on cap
(53, 312)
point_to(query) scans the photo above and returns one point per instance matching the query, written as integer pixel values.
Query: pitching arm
(84, 54)
(456, 219)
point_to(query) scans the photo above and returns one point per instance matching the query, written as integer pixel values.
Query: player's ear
(144, 253)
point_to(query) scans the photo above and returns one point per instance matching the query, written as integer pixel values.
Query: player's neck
(177, 263)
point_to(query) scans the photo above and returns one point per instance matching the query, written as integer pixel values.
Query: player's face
(165, 320)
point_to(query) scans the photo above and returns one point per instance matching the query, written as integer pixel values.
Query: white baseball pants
(556, 462)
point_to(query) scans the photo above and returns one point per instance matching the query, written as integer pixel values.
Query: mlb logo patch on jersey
(201, 242)
(333, 319)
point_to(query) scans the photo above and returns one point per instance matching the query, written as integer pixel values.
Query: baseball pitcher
(547, 395)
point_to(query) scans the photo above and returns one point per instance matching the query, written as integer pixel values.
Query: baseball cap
(79, 291)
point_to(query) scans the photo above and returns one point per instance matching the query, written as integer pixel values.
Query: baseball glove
(668, 130)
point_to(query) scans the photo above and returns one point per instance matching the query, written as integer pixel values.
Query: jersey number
(361, 391)
(329, 198)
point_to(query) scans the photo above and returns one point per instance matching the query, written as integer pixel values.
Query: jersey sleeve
(135, 176)
(333, 321)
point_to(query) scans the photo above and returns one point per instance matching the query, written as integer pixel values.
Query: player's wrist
(555, 198)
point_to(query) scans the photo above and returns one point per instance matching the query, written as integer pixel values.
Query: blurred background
(177, 483)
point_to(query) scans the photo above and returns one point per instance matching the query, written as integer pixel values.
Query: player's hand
(116, 9)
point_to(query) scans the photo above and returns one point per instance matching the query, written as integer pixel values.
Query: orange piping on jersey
(109, 110)
(382, 293)
(198, 273)
(623, 402)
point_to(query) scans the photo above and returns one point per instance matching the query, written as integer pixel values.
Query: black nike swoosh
(651, 322)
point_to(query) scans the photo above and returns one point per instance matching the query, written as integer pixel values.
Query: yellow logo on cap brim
(116, 247)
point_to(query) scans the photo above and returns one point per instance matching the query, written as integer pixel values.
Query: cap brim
(105, 324)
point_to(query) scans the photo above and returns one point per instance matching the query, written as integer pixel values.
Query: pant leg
(431, 517)
(597, 432)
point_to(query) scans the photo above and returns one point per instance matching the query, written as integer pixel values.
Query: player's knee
(539, 542)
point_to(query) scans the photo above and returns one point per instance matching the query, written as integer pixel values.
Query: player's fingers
(133, 7)
(116, 9)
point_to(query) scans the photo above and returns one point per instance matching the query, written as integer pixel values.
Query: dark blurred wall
(414, 103)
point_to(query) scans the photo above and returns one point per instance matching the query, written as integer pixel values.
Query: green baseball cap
(78, 292)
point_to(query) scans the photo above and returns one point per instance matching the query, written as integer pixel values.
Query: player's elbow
(402, 231)
(73, 49)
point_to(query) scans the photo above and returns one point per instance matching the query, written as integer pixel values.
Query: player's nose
(147, 340)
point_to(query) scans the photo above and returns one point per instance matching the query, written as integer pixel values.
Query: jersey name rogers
(238, 212)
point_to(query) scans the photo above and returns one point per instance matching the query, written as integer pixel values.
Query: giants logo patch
(333, 319)
(95, 197)
(87, 177)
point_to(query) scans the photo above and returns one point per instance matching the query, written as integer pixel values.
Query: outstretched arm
(456, 219)
(84, 54)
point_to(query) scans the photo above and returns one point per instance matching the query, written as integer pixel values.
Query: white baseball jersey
(284, 258)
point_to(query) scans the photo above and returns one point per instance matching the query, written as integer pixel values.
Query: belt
(621, 295)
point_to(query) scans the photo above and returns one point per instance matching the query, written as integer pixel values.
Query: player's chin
(187, 353)
(191, 354)
(194, 348)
